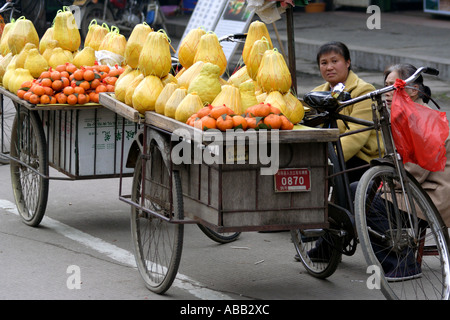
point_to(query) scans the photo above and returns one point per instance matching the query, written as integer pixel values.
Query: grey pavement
(404, 36)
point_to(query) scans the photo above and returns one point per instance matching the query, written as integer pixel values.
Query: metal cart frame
(167, 194)
(52, 136)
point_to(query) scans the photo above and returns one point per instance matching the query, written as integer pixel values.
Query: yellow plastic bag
(256, 55)
(164, 97)
(135, 44)
(96, 34)
(155, 58)
(114, 42)
(46, 38)
(256, 31)
(273, 73)
(146, 94)
(66, 31)
(188, 47)
(22, 32)
(4, 47)
(210, 50)
(188, 106)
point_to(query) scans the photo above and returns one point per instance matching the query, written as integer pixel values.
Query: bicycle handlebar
(387, 89)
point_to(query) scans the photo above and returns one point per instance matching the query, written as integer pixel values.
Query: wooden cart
(82, 142)
(185, 175)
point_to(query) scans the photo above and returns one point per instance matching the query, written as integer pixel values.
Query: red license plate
(292, 180)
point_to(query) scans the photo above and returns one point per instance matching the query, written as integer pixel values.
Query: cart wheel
(219, 237)
(323, 261)
(29, 182)
(158, 243)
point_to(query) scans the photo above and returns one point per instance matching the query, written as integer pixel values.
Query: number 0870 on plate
(293, 180)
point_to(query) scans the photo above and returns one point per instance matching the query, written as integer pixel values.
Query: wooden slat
(36, 107)
(302, 134)
(109, 101)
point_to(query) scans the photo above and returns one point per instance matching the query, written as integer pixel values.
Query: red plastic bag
(419, 132)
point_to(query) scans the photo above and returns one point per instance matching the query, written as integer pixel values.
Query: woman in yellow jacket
(334, 62)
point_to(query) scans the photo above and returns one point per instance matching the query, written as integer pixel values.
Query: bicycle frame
(381, 123)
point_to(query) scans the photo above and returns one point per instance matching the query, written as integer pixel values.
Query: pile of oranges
(67, 84)
(260, 116)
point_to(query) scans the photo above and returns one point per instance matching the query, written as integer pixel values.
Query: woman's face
(333, 68)
(390, 80)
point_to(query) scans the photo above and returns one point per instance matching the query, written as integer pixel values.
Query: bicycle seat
(323, 100)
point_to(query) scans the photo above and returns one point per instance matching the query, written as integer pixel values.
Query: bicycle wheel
(7, 114)
(29, 183)
(219, 237)
(319, 250)
(392, 239)
(158, 243)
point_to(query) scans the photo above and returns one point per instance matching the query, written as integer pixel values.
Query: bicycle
(406, 235)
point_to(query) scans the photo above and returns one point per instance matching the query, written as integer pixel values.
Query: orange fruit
(205, 123)
(95, 83)
(65, 81)
(57, 85)
(224, 122)
(34, 99)
(191, 119)
(204, 111)
(46, 82)
(68, 90)
(21, 93)
(65, 74)
(239, 122)
(45, 99)
(61, 68)
(110, 88)
(93, 97)
(114, 72)
(286, 124)
(103, 68)
(48, 91)
(273, 121)
(110, 80)
(216, 112)
(85, 85)
(261, 110)
(79, 90)
(89, 75)
(26, 85)
(45, 74)
(71, 68)
(55, 75)
(78, 75)
(82, 98)
(53, 100)
(38, 90)
(275, 110)
(27, 95)
(101, 88)
(251, 122)
(61, 98)
(72, 99)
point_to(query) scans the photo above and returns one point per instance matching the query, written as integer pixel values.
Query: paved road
(86, 228)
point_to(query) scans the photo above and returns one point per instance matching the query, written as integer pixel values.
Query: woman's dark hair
(336, 47)
(405, 70)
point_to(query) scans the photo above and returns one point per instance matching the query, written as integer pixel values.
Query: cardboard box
(87, 143)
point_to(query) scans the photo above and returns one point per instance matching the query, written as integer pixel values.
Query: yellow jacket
(364, 144)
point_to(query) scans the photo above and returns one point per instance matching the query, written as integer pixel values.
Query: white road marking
(118, 254)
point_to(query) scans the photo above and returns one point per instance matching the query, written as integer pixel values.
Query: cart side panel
(239, 197)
